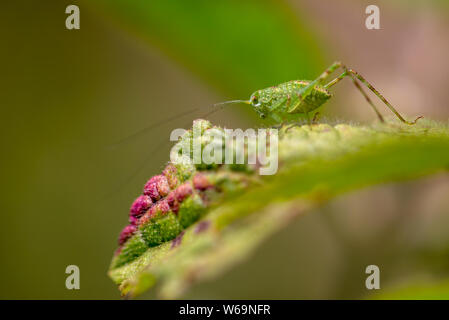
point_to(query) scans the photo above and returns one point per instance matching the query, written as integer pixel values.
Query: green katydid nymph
(284, 102)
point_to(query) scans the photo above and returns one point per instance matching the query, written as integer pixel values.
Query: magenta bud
(200, 182)
(148, 215)
(162, 186)
(183, 191)
(139, 206)
(126, 233)
(133, 220)
(161, 207)
(171, 200)
(170, 173)
(150, 188)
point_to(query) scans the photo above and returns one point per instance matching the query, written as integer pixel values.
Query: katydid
(285, 101)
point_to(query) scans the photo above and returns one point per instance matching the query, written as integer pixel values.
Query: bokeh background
(68, 96)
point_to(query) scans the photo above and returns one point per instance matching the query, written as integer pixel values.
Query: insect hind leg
(329, 71)
(357, 85)
(355, 74)
(367, 98)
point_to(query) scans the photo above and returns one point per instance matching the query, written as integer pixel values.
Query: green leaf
(317, 163)
(237, 46)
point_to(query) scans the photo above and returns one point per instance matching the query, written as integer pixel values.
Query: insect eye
(255, 102)
(262, 115)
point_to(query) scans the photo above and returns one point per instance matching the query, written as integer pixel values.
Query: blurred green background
(68, 95)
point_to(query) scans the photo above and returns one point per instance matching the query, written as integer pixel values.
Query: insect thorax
(283, 96)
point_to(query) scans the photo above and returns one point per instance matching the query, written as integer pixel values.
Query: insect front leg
(278, 120)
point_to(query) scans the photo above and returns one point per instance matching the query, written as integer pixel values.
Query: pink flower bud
(183, 191)
(150, 189)
(162, 186)
(161, 207)
(133, 220)
(139, 206)
(170, 173)
(171, 200)
(126, 233)
(200, 182)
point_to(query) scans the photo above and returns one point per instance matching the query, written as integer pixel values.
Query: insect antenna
(231, 102)
(174, 117)
(152, 126)
(146, 158)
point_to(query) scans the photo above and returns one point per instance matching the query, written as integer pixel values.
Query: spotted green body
(284, 101)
